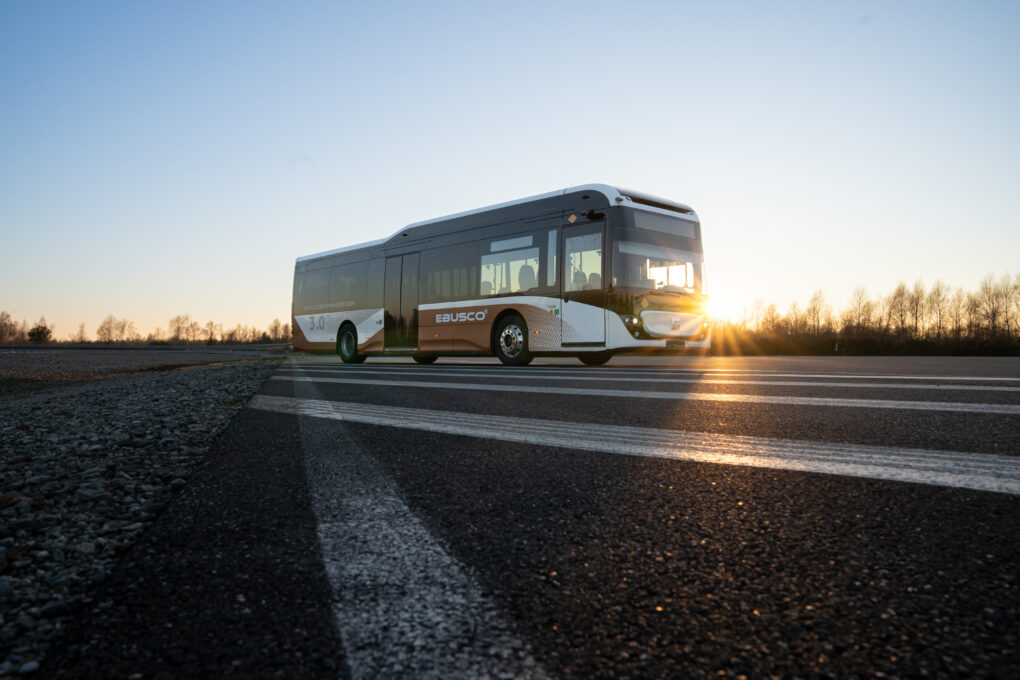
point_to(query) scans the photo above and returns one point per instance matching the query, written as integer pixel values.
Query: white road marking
(983, 472)
(402, 605)
(670, 369)
(549, 375)
(958, 407)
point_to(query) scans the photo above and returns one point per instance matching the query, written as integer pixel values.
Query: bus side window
(444, 273)
(550, 258)
(312, 293)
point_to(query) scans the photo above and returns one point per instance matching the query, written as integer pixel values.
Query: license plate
(676, 344)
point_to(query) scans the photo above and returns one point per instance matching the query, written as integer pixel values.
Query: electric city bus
(589, 271)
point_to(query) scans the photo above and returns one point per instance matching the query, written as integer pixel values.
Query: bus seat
(595, 281)
(580, 280)
(526, 278)
(486, 288)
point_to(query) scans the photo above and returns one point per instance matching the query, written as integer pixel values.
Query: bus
(588, 271)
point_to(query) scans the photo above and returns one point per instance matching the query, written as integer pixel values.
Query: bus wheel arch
(509, 340)
(347, 344)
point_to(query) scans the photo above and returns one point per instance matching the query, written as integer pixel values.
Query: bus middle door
(401, 303)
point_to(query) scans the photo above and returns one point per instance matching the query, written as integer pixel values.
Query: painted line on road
(402, 605)
(604, 370)
(547, 375)
(982, 472)
(956, 407)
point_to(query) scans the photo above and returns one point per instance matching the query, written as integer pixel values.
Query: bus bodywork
(587, 271)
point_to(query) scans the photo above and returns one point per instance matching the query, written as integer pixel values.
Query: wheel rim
(511, 341)
(347, 345)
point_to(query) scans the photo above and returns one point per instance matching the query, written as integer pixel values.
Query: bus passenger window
(511, 271)
(550, 266)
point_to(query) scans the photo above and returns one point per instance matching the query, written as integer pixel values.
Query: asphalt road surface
(651, 518)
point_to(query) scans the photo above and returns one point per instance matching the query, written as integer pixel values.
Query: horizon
(168, 160)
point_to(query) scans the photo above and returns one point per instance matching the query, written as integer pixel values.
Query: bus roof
(615, 196)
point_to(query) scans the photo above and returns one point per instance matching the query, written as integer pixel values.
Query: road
(656, 517)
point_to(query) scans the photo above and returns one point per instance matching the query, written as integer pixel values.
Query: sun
(722, 308)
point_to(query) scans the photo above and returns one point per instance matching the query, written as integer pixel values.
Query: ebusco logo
(457, 317)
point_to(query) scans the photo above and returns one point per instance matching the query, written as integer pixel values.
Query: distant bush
(41, 333)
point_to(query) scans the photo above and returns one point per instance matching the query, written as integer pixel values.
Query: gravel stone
(84, 469)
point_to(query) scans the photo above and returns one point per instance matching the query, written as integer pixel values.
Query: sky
(165, 158)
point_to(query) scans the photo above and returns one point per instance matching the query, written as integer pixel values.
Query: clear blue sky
(160, 158)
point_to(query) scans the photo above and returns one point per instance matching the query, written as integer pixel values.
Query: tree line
(181, 330)
(909, 320)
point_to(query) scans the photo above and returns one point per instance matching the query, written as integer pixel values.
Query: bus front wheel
(512, 341)
(347, 346)
(594, 358)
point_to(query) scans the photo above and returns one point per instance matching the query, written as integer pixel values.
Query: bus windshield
(639, 265)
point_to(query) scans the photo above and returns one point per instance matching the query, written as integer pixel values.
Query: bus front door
(401, 303)
(583, 316)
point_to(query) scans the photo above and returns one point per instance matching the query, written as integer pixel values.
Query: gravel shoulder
(28, 369)
(84, 470)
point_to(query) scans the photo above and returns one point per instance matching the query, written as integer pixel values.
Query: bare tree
(8, 328)
(107, 330)
(113, 329)
(958, 313)
(990, 302)
(815, 312)
(13, 331)
(795, 321)
(80, 335)
(938, 306)
(972, 314)
(858, 315)
(274, 330)
(1005, 291)
(898, 308)
(915, 306)
(178, 327)
(1013, 306)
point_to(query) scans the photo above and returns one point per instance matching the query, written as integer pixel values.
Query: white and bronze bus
(588, 271)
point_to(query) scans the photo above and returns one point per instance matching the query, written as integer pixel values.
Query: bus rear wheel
(347, 346)
(424, 359)
(594, 358)
(512, 341)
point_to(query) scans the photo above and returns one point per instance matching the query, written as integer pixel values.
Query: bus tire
(512, 341)
(347, 346)
(424, 359)
(594, 358)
